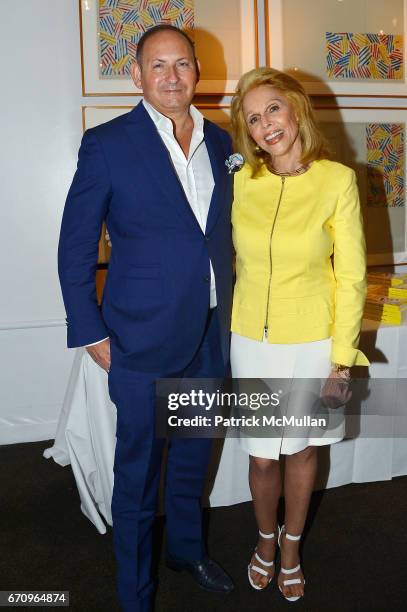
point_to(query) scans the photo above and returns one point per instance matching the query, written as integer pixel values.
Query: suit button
(207, 238)
(207, 279)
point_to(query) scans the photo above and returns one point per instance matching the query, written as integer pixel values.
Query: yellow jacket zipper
(271, 264)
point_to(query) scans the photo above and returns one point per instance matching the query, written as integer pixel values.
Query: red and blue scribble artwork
(385, 164)
(364, 56)
(122, 23)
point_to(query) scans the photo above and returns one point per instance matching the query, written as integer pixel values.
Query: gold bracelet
(342, 370)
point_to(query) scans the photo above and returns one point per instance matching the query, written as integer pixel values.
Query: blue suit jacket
(156, 296)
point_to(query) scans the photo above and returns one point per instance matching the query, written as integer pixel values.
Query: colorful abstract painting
(364, 56)
(122, 23)
(385, 164)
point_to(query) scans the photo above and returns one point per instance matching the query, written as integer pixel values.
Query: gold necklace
(300, 170)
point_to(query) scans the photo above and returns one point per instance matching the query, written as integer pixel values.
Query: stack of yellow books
(383, 308)
(399, 292)
(386, 297)
(387, 279)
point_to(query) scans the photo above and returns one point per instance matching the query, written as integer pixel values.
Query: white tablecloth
(85, 436)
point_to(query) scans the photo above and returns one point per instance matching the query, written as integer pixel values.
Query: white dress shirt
(194, 172)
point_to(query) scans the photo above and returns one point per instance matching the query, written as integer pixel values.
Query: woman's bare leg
(300, 471)
(265, 486)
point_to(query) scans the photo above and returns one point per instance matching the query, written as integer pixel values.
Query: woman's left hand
(336, 392)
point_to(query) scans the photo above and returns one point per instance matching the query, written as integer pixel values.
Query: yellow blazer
(285, 230)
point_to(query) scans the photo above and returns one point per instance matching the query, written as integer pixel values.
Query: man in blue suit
(157, 176)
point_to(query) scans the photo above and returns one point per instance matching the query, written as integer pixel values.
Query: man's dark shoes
(207, 573)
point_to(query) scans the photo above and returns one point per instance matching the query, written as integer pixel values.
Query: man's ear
(135, 71)
(198, 69)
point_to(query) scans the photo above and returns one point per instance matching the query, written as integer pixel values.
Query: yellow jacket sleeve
(350, 274)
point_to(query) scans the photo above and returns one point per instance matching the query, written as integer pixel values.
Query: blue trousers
(137, 473)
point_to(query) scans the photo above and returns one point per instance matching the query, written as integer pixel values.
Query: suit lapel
(157, 162)
(216, 156)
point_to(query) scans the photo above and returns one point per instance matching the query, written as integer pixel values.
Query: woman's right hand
(336, 392)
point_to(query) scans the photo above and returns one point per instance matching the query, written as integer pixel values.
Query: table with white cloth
(85, 435)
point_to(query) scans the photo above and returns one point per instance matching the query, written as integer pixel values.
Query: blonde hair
(313, 143)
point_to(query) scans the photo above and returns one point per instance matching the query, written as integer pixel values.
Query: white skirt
(308, 360)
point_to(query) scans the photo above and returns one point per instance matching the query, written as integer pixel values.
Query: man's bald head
(157, 30)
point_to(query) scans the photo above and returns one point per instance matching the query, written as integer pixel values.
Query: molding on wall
(35, 324)
(19, 432)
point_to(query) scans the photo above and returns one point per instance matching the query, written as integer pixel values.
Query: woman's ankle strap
(267, 536)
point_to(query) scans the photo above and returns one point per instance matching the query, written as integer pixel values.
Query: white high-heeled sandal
(261, 570)
(292, 570)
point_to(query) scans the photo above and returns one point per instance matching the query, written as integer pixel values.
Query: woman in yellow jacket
(295, 314)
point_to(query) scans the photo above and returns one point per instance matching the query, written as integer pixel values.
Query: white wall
(41, 129)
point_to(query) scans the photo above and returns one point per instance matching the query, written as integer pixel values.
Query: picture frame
(331, 53)
(225, 35)
(93, 115)
(355, 139)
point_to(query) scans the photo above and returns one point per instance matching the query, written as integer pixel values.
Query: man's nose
(172, 74)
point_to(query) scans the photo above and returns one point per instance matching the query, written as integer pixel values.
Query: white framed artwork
(372, 141)
(225, 36)
(340, 47)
